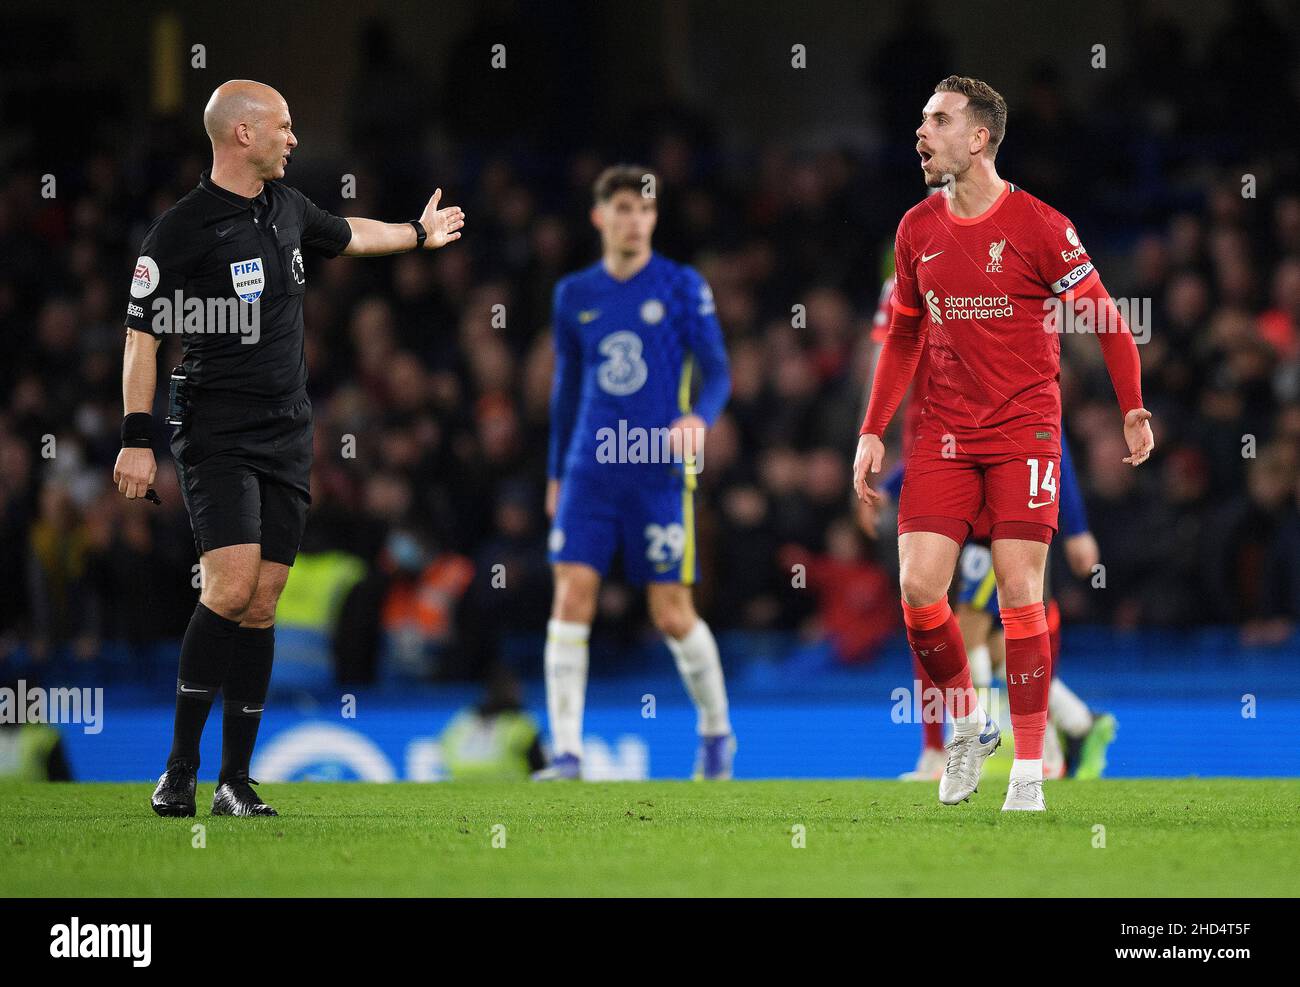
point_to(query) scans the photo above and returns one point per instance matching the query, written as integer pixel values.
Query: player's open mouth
(925, 157)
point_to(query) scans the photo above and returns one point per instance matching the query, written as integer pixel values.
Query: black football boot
(235, 797)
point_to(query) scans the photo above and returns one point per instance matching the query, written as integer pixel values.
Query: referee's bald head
(239, 101)
(249, 121)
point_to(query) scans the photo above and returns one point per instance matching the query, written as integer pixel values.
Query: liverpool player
(1087, 734)
(977, 271)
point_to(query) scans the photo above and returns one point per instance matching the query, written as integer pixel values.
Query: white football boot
(1024, 795)
(966, 757)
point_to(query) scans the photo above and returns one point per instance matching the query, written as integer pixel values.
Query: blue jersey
(628, 357)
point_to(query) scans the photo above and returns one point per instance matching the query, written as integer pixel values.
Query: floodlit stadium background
(1172, 148)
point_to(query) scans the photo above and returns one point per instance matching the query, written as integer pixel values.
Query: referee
(225, 267)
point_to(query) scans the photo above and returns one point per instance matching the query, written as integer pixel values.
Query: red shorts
(1007, 495)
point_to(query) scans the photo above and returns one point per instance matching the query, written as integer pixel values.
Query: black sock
(205, 656)
(245, 690)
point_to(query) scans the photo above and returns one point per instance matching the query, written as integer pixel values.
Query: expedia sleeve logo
(1073, 239)
(249, 278)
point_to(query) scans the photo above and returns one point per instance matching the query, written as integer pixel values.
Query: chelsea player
(640, 374)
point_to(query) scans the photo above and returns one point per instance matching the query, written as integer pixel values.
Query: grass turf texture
(1163, 838)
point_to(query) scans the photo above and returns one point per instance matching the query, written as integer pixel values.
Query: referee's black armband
(137, 430)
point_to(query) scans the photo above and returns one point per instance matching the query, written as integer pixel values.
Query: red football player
(983, 273)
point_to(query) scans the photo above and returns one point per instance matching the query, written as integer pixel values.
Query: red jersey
(982, 288)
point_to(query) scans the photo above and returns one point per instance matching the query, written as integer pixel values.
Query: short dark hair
(984, 105)
(618, 177)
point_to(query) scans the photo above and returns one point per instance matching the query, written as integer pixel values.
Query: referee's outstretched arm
(372, 238)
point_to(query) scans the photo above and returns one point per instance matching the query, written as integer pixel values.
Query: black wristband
(137, 430)
(420, 234)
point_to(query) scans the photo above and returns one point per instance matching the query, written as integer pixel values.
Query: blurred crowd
(430, 376)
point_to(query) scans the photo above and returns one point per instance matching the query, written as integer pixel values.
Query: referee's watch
(420, 234)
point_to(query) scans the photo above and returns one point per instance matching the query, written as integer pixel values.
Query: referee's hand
(135, 471)
(441, 225)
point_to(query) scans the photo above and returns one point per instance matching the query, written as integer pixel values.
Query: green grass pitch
(1162, 838)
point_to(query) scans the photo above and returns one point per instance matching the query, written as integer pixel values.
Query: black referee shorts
(245, 474)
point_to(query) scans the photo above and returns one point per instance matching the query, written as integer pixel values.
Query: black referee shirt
(227, 274)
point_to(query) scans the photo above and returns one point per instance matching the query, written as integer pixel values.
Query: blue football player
(640, 374)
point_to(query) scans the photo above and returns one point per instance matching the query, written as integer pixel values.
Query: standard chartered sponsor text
(977, 307)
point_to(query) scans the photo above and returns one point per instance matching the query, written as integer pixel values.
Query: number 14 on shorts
(1047, 485)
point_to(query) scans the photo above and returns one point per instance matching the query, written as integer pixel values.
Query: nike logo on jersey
(589, 316)
(927, 257)
(221, 233)
(1044, 503)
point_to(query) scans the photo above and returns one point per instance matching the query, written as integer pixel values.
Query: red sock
(936, 643)
(1054, 632)
(1029, 674)
(931, 726)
